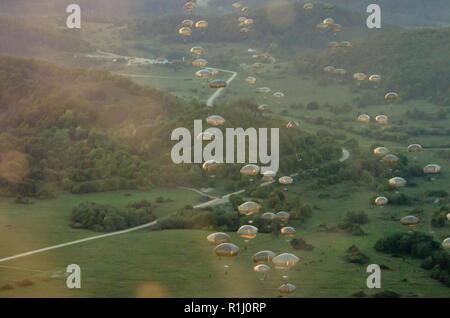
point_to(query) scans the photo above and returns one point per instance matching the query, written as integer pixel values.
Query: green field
(179, 263)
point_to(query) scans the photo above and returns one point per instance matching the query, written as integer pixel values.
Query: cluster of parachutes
(186, 30)
(265, 259)
(392, 161)
(245, 23)
(188, 26)
(383, 153)
(224, 248)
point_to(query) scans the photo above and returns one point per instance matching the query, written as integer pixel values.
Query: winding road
(210, 101)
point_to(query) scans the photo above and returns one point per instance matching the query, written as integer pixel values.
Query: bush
(354, 255)
(201, 219)
(417, 245)
(353, 221)
(439, 263)
(399, 199)
(107, 218)
(300, 244)
(439, 219)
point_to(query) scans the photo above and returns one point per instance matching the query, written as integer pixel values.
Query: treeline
(421, 246)
(107, 218)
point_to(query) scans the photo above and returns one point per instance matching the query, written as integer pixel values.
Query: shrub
(418, 245)
(107, 218)
(353, 221)
(354, 255)
(300, 244)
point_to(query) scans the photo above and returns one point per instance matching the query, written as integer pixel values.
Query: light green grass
(181, 263)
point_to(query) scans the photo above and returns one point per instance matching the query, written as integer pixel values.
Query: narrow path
(54, 247)
(210, 101)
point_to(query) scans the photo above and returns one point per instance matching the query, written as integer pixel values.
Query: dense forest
(413, 62)
(88, 131)
(286, 26)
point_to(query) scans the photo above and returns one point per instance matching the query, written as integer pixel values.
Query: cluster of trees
(352, 222)
(440, 217)
(354, 255)
(209, 218)
(276, 200)
(107, 218)
(422, 246)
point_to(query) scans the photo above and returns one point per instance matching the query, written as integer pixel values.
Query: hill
(284, 24)
(405, 12)
(87, 131)
(24, 37)
(71, 128)
(413, 62)
(399, 12)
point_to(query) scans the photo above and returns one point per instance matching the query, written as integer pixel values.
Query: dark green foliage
(276, 28)
(387, 294)
(87, 131)
(354, 255)
(107, 218)
(415, 244)
(300, 244)
(201, 219)
(405, 62)
(437, 194)
(236, 201)
(359, 294)
(352, 222)
(440, 217)
(399, 199)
